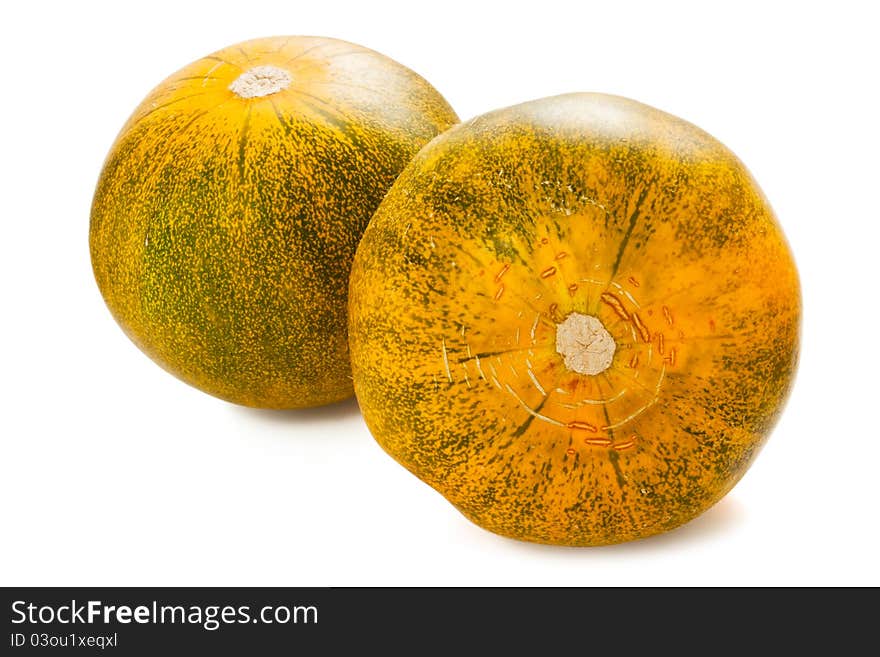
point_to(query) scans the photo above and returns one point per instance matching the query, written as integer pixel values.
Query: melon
(229, 208)
(577, 318)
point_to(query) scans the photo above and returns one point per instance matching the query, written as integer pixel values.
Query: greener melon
(577, 318)
(229, 209)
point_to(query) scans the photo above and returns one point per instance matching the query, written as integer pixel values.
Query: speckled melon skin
(223, 228)
(504, 226)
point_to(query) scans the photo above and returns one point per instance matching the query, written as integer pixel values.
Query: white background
(114, 473)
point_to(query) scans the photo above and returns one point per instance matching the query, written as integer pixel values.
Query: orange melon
(577, 318)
